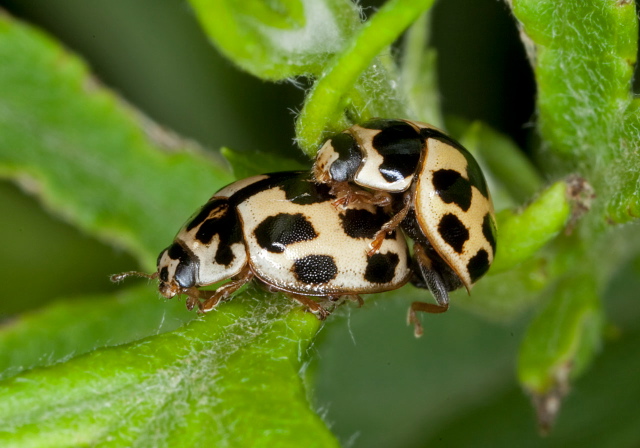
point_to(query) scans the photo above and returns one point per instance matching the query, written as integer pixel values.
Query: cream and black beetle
(437, 192)
(283, 229)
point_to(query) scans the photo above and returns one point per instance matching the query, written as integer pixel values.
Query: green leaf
(89, 156)
(601, 52)
(583, 55)
(278, 39)
(560, 343)
(522, 234)
(624, 204)
(245, 164)
(324, 105)
(223, 380)
(70, 328)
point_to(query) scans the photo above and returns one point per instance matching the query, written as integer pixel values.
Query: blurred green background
(376, 385)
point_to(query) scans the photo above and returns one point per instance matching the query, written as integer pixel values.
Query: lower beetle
(283, 230)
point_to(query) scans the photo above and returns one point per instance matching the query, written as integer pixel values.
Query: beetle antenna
(119, 277)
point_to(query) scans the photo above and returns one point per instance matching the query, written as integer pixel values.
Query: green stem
(323, 104)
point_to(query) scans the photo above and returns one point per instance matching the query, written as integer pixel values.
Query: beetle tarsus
(356, 298)
(412, 318)
(191, 302)
(311, 305)
(224, 291)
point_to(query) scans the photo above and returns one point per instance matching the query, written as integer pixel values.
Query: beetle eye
(344, 168)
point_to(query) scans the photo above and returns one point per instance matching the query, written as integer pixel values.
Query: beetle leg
(223, 292)
(386, 229)
(191, 302)
(436, 285)
(355, 298)
(336, 301)
(311, 305)
(424, 307)
(389, 226)
(346, 195)
(193, 296)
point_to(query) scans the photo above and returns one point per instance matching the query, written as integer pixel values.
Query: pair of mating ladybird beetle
(338, 233)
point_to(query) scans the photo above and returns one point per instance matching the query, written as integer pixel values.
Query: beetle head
(338, 159)
(176, 271)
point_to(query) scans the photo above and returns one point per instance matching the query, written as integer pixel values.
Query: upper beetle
(282, 229)
(435, 189)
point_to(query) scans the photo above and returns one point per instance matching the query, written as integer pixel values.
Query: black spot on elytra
(452, 187)
(272, 180)
(302, 191)
(315, 269)
(176, 252)
(362, 223)
(205, 211)
(381, 268)
(344, 168)
(489, 231)
(225, 224)
(476, 178)
(276, 232)
(454, 233)
(185, 274)
(298, 187)
(382, 123)
(474, 173)
(164, 274)
(478, 265)
(400, 146)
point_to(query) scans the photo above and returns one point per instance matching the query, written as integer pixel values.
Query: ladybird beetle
(435, 189)
(282, 229)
